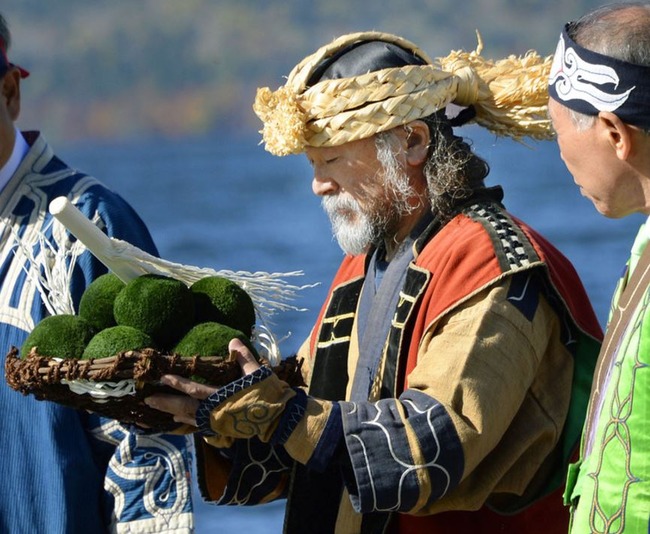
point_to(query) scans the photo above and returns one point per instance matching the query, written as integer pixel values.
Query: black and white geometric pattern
(515, 247)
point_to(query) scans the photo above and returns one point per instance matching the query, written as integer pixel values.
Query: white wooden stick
(92, 237)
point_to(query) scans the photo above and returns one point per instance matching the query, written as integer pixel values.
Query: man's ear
(418, 140)
(11, 92)
(617, 134)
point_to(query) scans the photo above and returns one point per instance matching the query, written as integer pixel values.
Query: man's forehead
(557, 110)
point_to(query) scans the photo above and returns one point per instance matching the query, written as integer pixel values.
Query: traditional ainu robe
(56, 460)
(459, 383)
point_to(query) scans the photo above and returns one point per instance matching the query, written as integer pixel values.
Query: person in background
(449, 368)
(64, 470)
(600, 109)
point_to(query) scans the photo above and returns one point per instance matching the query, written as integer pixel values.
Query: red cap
(5, 64)
(23, 72)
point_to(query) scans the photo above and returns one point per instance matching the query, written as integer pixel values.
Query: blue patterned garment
(63, 470)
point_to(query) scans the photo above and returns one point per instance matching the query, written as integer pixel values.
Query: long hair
(452, 170)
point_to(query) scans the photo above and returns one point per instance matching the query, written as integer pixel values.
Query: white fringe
(51, 270)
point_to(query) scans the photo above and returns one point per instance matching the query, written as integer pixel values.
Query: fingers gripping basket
(116, 386)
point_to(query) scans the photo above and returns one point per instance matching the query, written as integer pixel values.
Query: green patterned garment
(609, 489)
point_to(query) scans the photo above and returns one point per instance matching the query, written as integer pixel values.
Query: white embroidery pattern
(148, 479)
(576, 79)
(401, 463)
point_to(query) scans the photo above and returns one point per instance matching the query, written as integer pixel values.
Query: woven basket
(42, 377)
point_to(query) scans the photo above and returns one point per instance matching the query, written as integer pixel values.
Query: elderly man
(600, 108)
(64, 470)
(446, 371)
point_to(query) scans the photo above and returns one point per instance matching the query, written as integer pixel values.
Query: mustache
(333, 205)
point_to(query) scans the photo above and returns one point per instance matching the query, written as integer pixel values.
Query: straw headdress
(510, 96)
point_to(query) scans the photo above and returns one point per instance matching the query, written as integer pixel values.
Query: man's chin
(352, 248)
(354, 251)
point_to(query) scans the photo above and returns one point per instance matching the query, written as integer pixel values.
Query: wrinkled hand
(258, 404)
(184, 407)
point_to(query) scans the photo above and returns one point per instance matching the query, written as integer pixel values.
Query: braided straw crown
(510, 97)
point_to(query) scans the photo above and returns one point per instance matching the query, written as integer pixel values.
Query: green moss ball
(209, 339)
(158, 305)
(59, 336)
(116, 339)
(96, 304)
(217, 299)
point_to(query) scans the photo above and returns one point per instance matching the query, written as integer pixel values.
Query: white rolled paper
(92, 237)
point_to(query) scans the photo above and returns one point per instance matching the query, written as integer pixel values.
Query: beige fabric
(306, 359)
(510, 97)
(307, 434)
(347, 521)
(252, 412)
(509, 405)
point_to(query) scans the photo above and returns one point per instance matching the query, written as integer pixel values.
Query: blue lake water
(225, 203)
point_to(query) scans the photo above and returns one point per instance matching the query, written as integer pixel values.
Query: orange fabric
(453, 256)
(461, 258)
(214, 468)
(567, 282)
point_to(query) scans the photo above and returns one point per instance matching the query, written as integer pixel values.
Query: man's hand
(184, 407)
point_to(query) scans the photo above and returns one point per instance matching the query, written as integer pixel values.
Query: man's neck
(407, 225)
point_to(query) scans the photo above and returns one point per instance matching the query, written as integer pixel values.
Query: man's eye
(331, 160)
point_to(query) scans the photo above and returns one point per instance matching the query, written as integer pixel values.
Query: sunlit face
(351, 182)
(590, 158)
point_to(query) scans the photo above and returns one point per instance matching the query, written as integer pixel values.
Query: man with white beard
(448, 371)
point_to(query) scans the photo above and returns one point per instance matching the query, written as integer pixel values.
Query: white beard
(353, 229)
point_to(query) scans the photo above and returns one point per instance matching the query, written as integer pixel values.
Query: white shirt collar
(20, 149)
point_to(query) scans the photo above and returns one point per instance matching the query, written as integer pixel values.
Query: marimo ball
(59, 336)
(209, 339)
(220, 300)
(116, 339)
(96, 304)
(158, 305)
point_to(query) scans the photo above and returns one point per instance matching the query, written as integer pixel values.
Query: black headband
(589, 82)
(362, 57)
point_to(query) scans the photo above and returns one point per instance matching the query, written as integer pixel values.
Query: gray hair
(452, 170)
(621, 31)
(396, 181)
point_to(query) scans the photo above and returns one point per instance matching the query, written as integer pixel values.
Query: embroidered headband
(5, 65)
(589, 82)
(311, 110)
